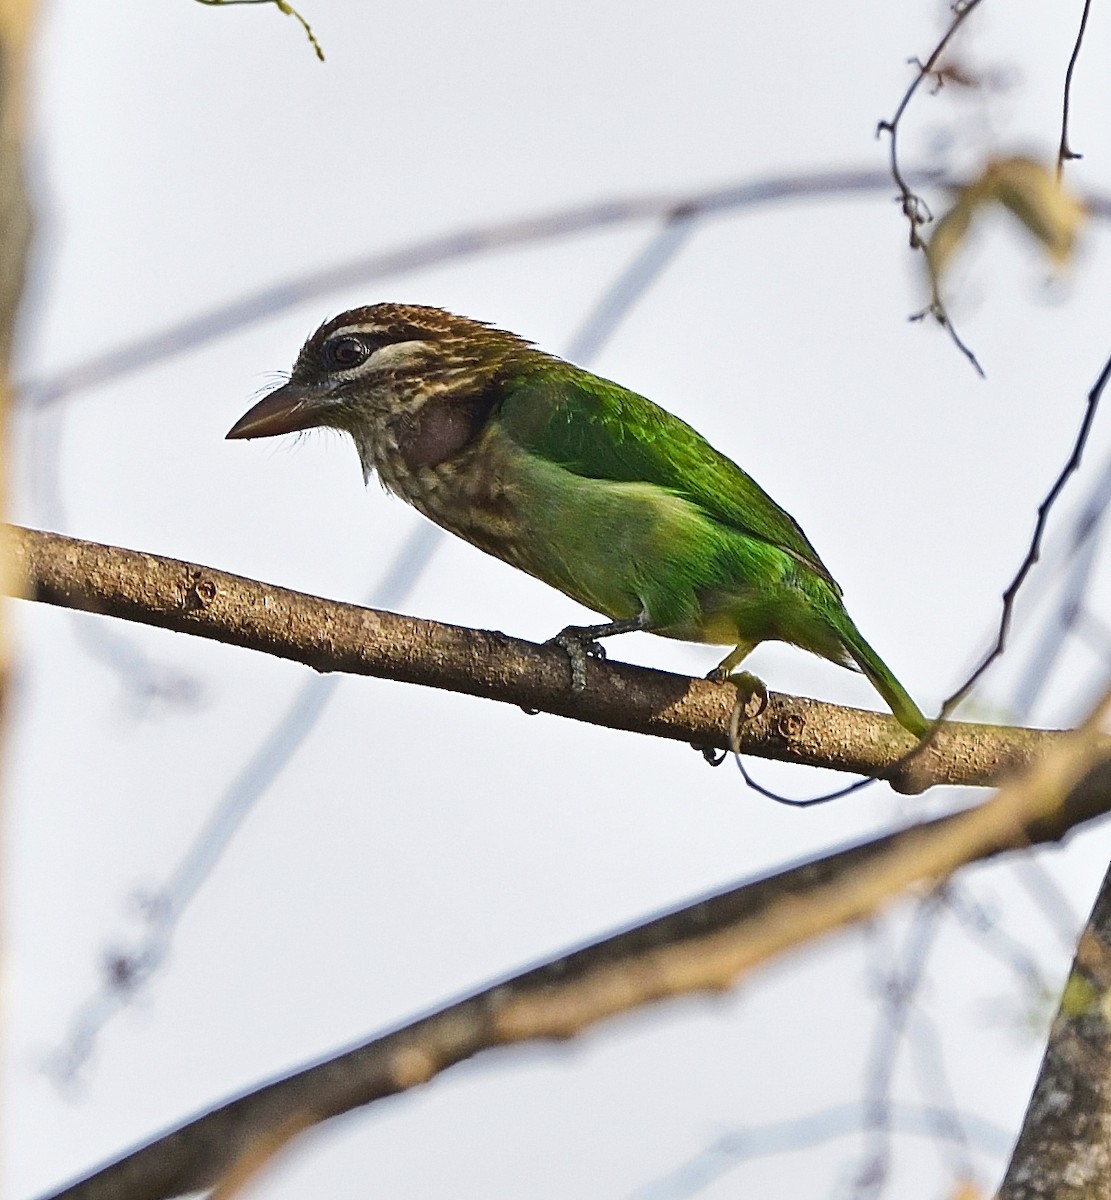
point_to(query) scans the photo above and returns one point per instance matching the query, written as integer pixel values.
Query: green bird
(576, 480)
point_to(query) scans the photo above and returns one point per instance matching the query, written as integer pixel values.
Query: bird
(575, 479)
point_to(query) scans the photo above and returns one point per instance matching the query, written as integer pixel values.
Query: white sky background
(421, 843)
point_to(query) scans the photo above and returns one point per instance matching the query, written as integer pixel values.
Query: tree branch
(1064, 1149)
(330, 636)
(703, 947)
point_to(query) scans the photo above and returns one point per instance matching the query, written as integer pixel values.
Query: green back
(600, 430)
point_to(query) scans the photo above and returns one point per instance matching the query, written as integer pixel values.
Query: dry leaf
(1024, 188)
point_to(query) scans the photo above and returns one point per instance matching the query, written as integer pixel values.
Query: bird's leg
(580, 642)
(748, 685)
(749, 688)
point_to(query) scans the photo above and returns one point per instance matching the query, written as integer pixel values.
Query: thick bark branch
(1064, 1149)
(703, 947)
(330, 636)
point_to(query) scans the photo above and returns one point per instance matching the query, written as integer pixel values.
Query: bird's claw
(750, 688)
(752, 699)
(579, 645)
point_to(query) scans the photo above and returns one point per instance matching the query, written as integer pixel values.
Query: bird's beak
(287, 410)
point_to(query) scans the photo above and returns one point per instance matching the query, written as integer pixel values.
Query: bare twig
(282, 6)
(1064, 152)
(147, 683)
(704, 947)
(914, 208)
(1066, 615)
(15, 209)
(1085, 527)
(330, 636)
(937, 310)
(1033, 551)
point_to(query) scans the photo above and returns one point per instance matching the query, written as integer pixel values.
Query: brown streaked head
(372, 363)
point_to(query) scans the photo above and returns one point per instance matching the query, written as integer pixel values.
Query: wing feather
(600, 430)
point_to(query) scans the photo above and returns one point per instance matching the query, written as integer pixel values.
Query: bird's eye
(343, 353)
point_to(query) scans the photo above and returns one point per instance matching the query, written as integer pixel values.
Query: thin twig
(1010, 595)
(1034, 550)
(283, 6)
(1086, 526)
(1065, 617)
(1064, 152)
(914, 208)
(797, 801)
(936, 309)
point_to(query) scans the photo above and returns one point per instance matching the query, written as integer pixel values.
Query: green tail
(907, 713)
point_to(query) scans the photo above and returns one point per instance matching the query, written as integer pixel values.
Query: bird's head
(386, 373)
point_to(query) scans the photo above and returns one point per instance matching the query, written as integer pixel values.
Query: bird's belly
(591, 539)
(618, 548)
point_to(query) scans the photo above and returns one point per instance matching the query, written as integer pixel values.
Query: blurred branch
(736, 1146)
(15, 208)
(1064, 1148)
(330, 636)
(702, 948)
(899, 994)
(15, 236)
(227, 319)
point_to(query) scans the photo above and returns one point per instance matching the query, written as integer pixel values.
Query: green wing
(600, 430)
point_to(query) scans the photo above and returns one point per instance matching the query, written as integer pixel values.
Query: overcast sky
(419, 843)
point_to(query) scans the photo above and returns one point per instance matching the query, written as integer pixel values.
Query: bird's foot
(752, 699)
(579, 643)
(752, 691)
